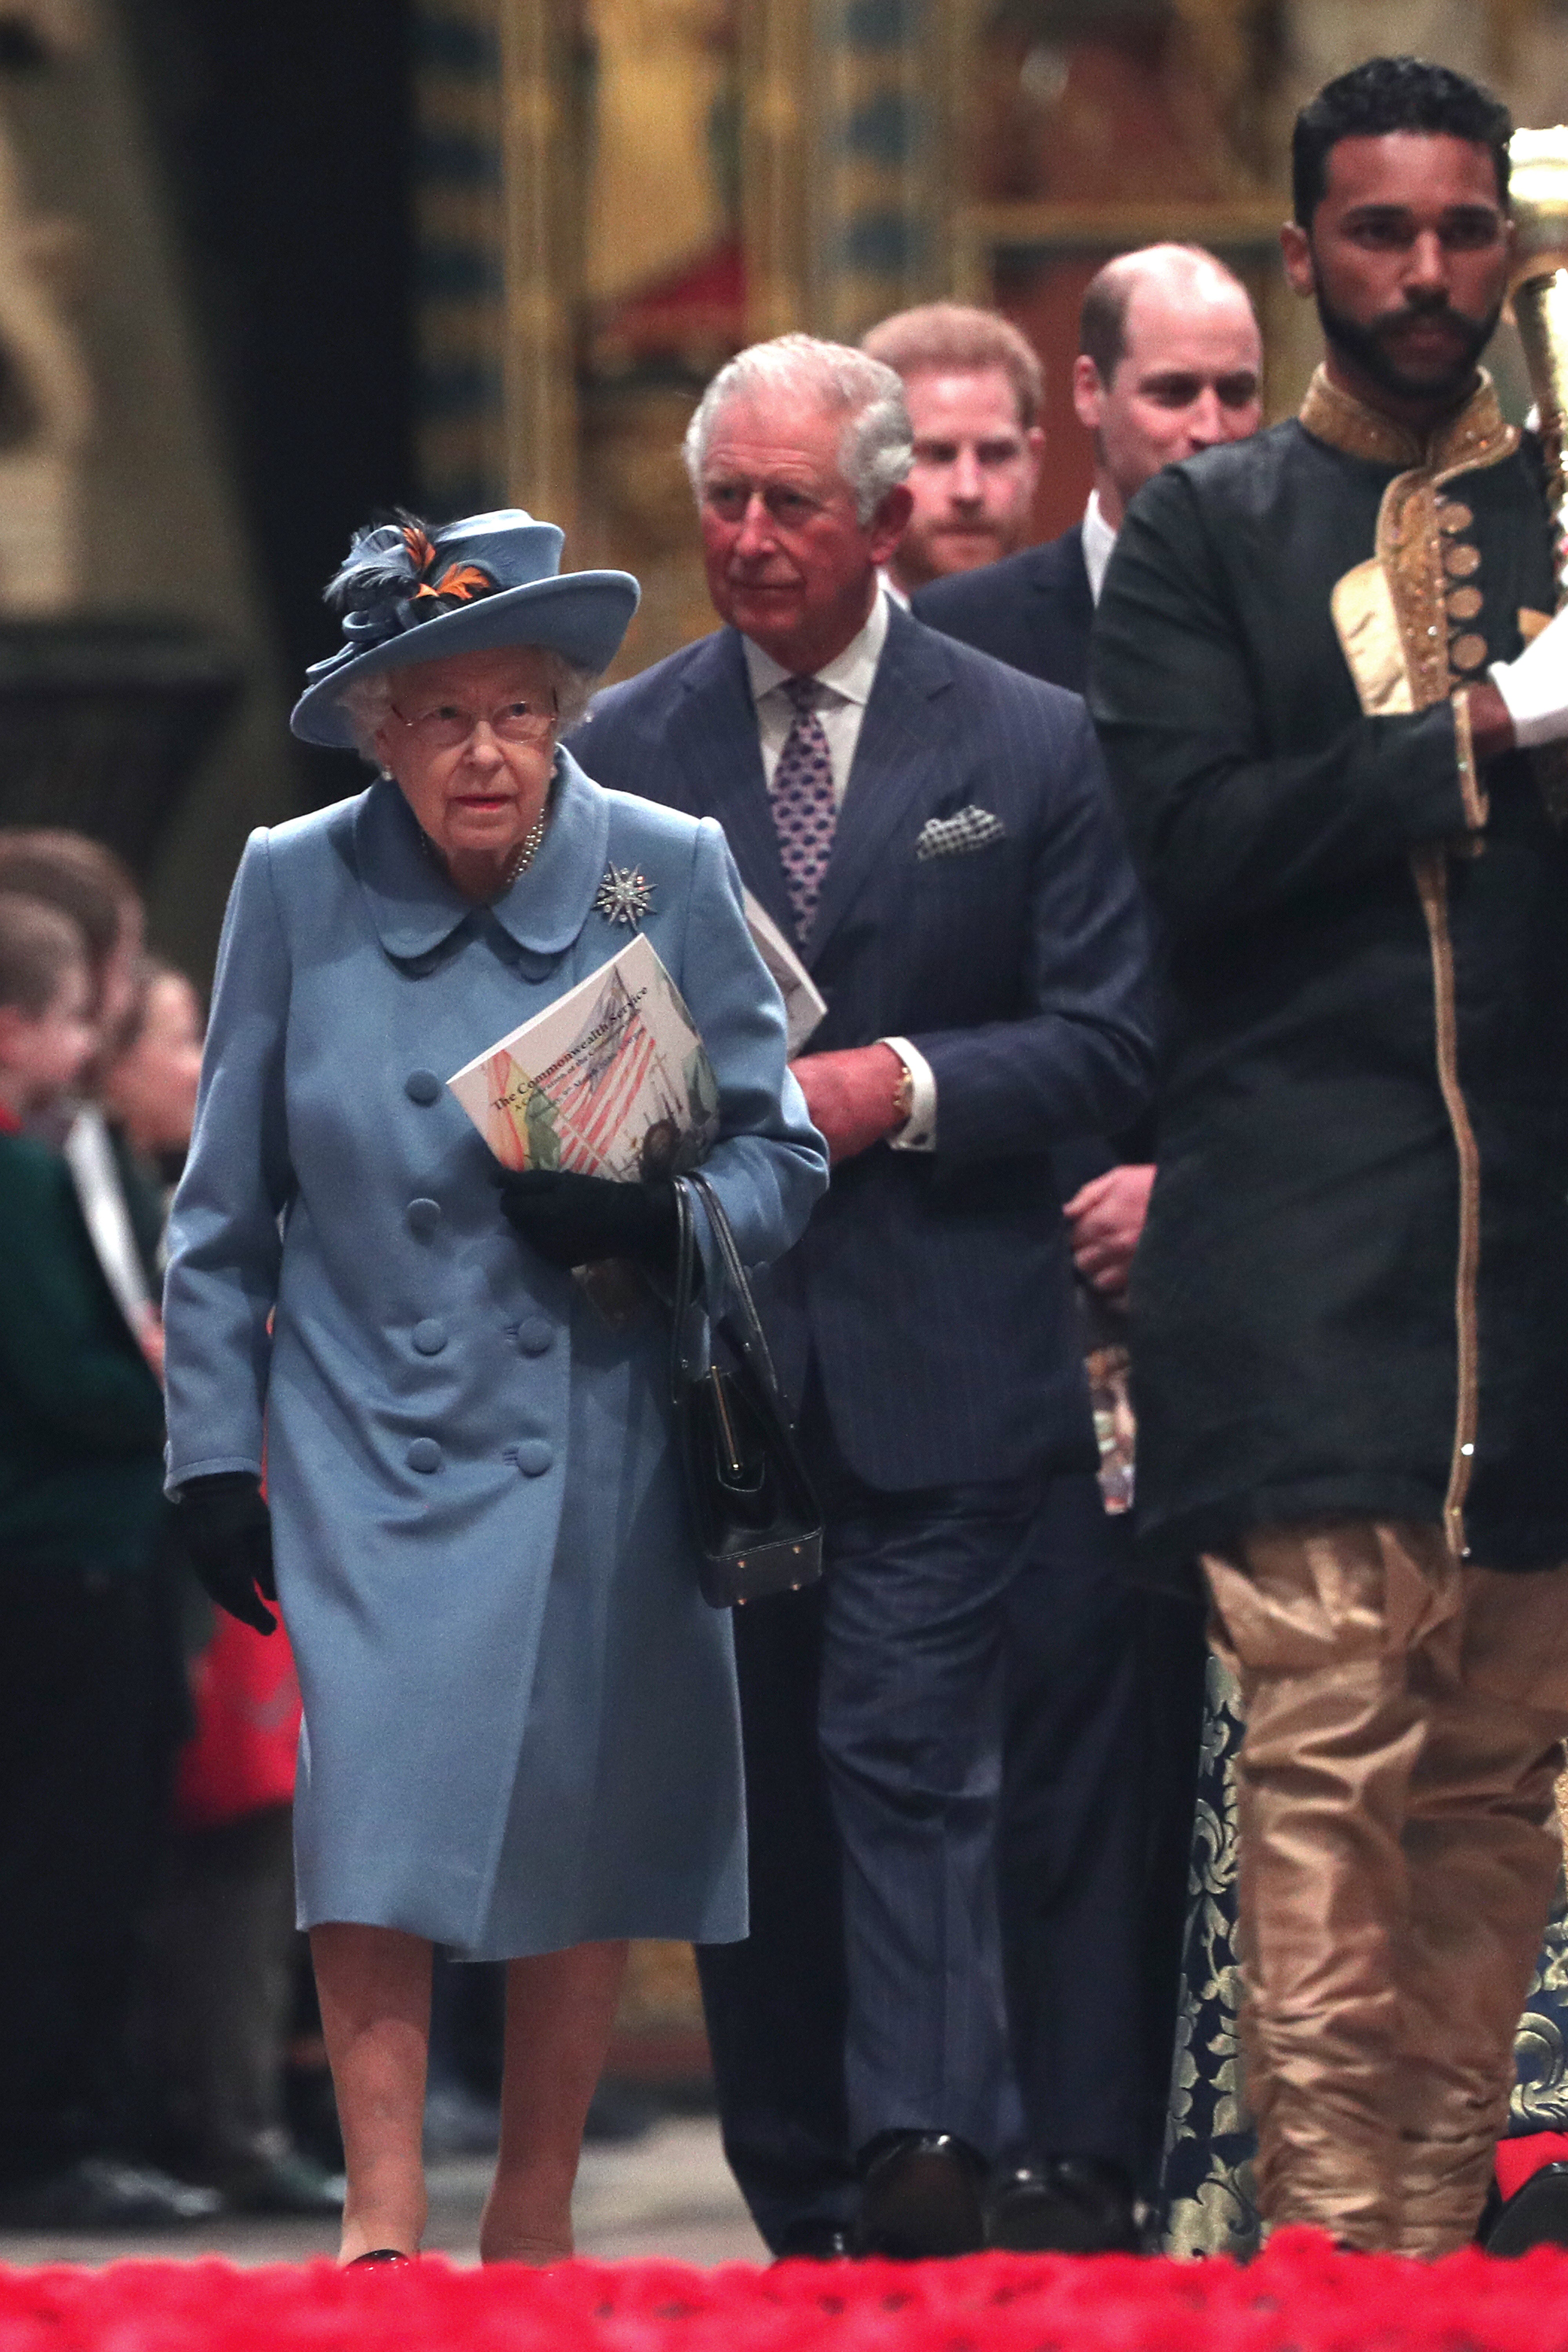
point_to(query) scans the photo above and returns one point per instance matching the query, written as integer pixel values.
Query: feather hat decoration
(379, 568)
(391, 566)
(410, 594)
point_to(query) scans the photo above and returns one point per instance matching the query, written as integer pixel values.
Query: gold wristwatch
(904, 1094)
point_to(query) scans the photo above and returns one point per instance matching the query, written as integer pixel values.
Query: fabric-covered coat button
(429, 1337)
(534, 1336)
(422, 1087)
(534, 1457)
(422, 1217)
(424, 1454)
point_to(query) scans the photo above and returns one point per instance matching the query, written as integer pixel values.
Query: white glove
(1535, 687)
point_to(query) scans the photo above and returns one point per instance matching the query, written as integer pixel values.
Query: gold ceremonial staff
(1538, 291)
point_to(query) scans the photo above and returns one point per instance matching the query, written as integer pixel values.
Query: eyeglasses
(444, 726)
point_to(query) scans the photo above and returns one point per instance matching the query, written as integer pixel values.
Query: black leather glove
(572, 1220)
(224, 1529)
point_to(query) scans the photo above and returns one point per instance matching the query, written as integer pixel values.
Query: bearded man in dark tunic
(1315, 680)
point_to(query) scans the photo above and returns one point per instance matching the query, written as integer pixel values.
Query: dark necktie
(804, 809)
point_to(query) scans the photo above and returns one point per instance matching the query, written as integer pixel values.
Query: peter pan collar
(1476, 435)
(416, 908)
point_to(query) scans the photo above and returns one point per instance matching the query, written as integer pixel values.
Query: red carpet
(1300, 2296)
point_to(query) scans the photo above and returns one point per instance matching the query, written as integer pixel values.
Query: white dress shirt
(1099, 539)
(845, 685)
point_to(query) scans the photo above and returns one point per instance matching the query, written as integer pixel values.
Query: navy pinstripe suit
(1034, 609)
(925, 1321)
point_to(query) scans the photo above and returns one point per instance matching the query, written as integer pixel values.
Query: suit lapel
(712, 737)
(1072, 581)
(898, 752)
(1060, 573)
(1061, 576)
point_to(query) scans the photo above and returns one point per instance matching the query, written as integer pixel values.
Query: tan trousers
(1399, 1856)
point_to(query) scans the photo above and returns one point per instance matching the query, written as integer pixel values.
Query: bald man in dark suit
(1169, 363)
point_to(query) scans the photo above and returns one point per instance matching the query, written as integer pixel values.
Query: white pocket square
(959, 835)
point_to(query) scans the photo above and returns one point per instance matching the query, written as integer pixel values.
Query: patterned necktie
(804, 811)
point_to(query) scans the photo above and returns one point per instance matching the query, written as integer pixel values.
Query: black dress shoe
(100, 2193)
(815, 2241)
(379, 2256)
(920, 2197)
(1535, 2215)
(1067, 2205)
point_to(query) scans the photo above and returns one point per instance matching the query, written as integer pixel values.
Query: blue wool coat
(520, 1728)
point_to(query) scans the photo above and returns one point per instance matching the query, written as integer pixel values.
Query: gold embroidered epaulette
(1409, 618)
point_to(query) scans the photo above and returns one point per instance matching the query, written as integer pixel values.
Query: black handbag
(757, 1518)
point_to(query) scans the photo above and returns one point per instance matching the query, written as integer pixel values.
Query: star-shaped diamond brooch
(623, 895)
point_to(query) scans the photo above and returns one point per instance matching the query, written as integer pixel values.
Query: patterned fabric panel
(959, 835)
(1206, 2204)
(1540, 2101)
(1206, 2199)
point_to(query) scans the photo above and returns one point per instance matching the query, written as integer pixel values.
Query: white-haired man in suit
(933, 829)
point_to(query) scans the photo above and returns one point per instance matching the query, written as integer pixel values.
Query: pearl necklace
(528, 849)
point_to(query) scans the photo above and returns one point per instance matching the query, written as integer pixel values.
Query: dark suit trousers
(1105, 1711)
(1075, 1836)
(775, 2004)
(868, 1995)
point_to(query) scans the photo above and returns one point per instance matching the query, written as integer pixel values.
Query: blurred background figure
(96, 891)
(124, 1215)
(91, 1700)
(972, 387)
(216, 2002)
(150, 1086)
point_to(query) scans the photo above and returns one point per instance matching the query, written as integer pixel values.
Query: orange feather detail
(465, 581)
(419, 547)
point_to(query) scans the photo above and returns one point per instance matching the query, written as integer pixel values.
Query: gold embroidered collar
(1475, 434)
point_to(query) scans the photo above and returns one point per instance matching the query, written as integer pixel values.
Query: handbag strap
(684, 1317)
(749, 1334)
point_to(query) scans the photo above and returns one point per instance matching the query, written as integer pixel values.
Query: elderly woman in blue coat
(520, 1731)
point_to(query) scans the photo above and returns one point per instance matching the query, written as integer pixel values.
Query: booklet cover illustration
(610, 1080)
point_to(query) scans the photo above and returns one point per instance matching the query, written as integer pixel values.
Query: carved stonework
(46, 398)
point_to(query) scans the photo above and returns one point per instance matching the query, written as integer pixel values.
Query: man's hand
(1534, 689)
(1491, 727)
(1105, 1218)
(850, 1096)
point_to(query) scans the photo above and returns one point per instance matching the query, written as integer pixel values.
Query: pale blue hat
(410, 595)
